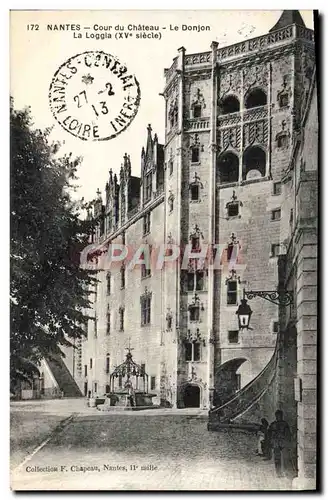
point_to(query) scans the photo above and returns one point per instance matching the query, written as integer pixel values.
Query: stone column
(211, 229)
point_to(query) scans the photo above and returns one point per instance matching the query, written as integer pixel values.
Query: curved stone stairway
(246, 397)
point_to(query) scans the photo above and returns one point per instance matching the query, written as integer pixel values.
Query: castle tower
(230, 117)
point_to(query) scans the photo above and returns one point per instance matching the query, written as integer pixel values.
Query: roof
(287, 18)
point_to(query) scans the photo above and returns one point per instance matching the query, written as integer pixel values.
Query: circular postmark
(93, 96)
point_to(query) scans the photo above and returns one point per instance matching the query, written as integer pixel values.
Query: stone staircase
(230, 412)
(63, 377)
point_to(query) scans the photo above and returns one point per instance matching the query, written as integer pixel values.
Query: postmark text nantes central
(93, 96)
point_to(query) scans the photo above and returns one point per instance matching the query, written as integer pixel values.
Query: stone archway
(227, 381)
(191, 396)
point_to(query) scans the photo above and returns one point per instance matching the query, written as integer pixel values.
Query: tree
(49, 289)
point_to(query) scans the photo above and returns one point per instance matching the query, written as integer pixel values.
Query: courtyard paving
(148, 450)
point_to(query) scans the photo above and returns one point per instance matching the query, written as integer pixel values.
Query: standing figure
(264, 447)
(280, 437)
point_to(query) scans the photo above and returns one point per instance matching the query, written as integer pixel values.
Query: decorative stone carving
(198, 100)
(283, 136)
(230, 83)
(255, 133)
(284, 94)
(205, 57)
(255, 76)
(233, 206)
(195, 142)
(230, 138)
(170, 200)
(173, 111)
(169, 319)
(196, 233)
(232, 277)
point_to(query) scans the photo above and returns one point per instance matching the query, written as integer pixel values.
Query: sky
(36, 55)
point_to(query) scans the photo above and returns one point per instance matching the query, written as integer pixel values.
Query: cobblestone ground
(150, 451)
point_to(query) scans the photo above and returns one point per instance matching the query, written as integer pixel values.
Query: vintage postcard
(164, 204)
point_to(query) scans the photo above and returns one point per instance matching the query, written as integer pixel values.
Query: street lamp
(282, 298)
(244, 313)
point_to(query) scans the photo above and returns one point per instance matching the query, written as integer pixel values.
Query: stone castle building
(222, 182)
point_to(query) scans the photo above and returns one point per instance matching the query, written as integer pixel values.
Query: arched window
(254, 163)
(229, 105)
(255, 98)
(228, 167)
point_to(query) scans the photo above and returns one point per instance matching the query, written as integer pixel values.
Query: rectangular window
(275, 249)
(122, 277)
(233, 336)
(233, 209)
(199, 280)
(146, 223)
(195, 244)
(194, 313)
(145, 271)
(145, 310)
(275, 327)
(197, 111)
(95, 334)
(121, 312)
(108, 324)
(276, 214)
(192, 351)
(170, 167)
(85, 370)
(107, 363)
(148, 187)
(108, 278)
(152, 383)
(190, 282)
(188, 351)
(194, 190)
(232, 252)
(90, 363)
(196, 346)
(232, 292)
(96, 387)
(276, 188)
(194, 155)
